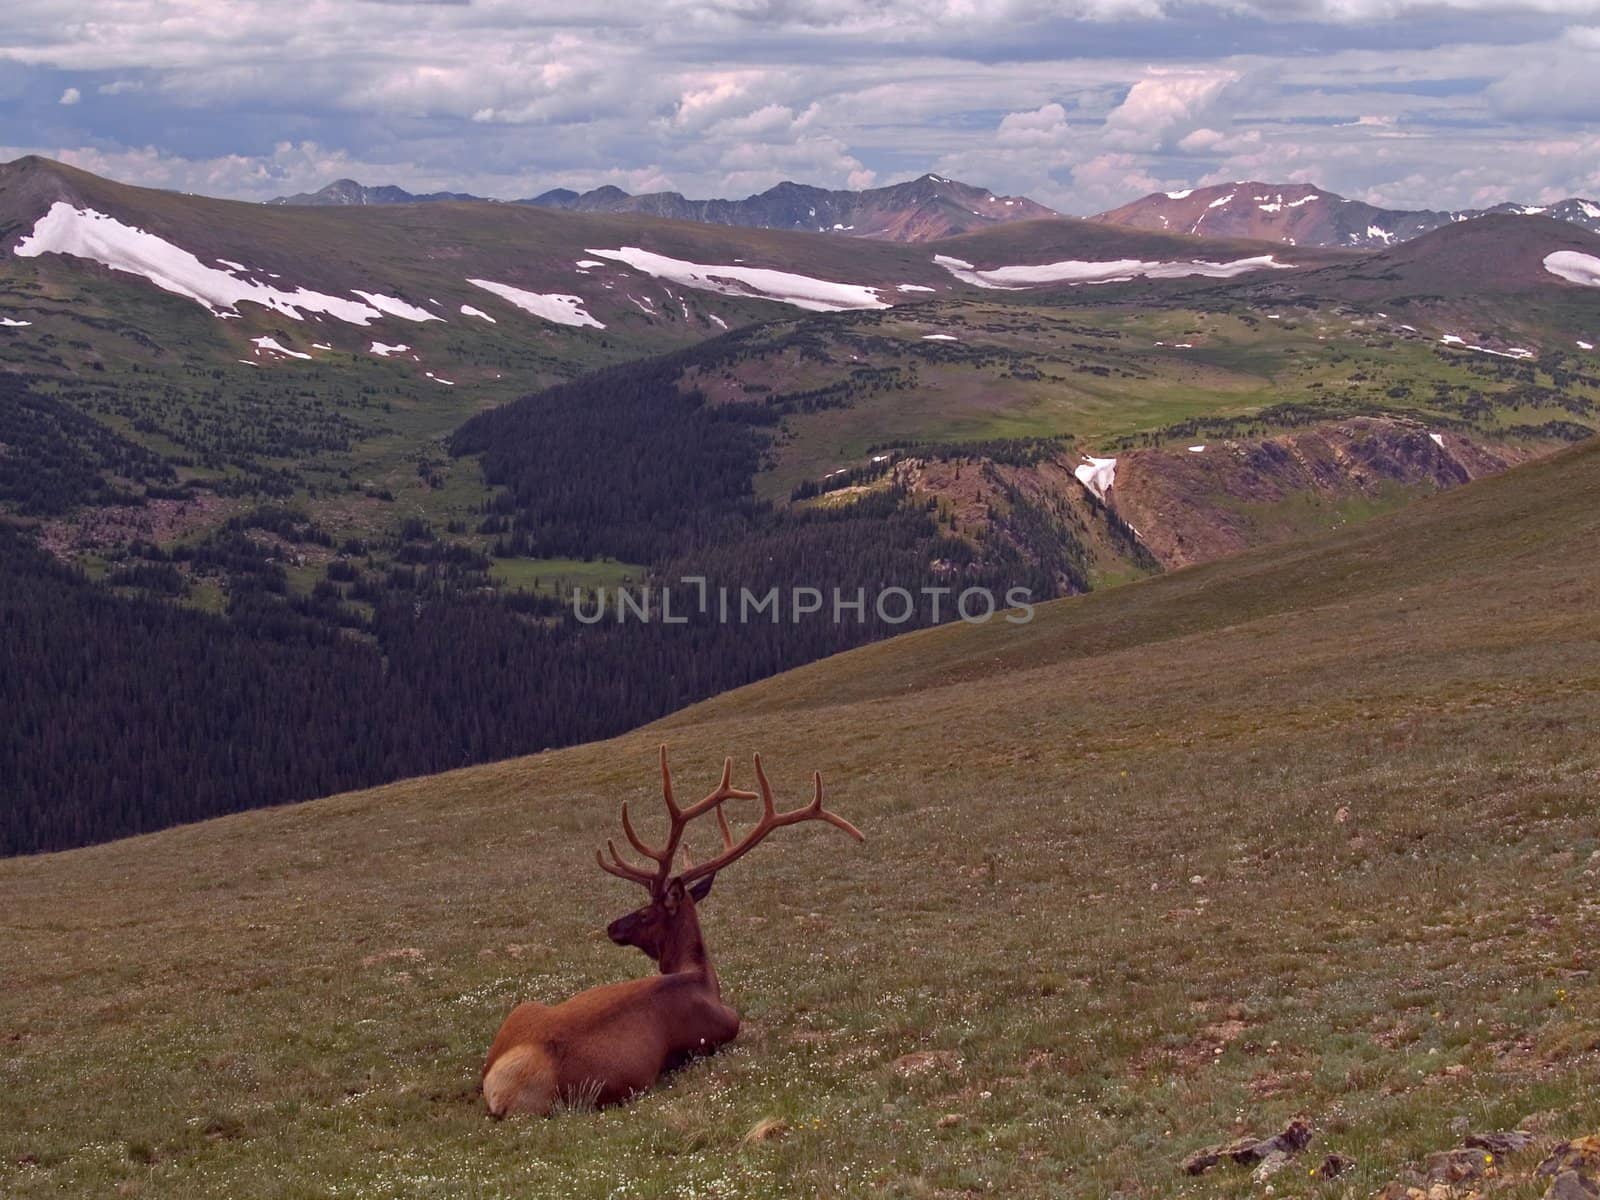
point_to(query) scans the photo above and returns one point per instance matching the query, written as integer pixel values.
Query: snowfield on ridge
(85, 233)
(758, 283)
(1574, 267)
(558, 308)
(1119, 270)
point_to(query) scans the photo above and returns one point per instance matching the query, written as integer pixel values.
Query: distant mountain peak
(1302, 214)
(351, 192)
(918, 210)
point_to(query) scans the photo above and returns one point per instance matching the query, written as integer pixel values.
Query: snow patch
(275, 347)
(555, 307)
(1581, 345)
(1514, 352)
(912, 287)
(397, 308)
(1438, 439)
(8, 323)
(1183, 195)
(1197, 449)
(1380, 235)
(1220, 202)
(1099, 475)
(762, 283)
(437, 379)
(1571, 265)
(583, 264)
(84, 233)
(716, 320)
(384, 351)
(940, 337)
(468, 311)
(1073, 271)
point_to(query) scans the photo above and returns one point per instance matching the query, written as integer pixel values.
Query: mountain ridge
(918, 210)
(1303, 214)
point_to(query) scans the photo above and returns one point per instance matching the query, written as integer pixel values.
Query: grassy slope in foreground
(1106, 912)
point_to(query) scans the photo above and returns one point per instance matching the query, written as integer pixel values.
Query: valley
(369, 432)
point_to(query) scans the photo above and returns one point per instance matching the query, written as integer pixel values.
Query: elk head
(662, 927)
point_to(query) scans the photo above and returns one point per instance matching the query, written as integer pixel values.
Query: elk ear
(673, 900)
(703, 889)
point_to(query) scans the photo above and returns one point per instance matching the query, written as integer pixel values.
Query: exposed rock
(1510, 1142)
(1334, 1166)
(1251, 1151)
(1459, 1165)
(1270, 1166)
(1202, 1161)
(1572, 1185)
(1191, 508)
(1580, 1154)
(1295, 1137)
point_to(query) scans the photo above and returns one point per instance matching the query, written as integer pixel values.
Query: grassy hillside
(1123, 370)
(1309, 831)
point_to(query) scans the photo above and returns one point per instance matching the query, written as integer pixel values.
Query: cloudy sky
(1081, 104)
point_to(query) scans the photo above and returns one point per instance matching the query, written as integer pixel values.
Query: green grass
(1112, 375)
(1107, 912)
(561, 575)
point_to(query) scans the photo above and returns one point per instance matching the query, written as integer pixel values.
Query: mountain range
(1301, 214)
(932, 207)
(919, 210)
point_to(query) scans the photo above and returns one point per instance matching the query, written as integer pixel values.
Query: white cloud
(509, 97)
(70, 96)
(1044, 126)
(1166, 106)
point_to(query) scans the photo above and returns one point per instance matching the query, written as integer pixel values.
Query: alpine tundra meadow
(743, 600)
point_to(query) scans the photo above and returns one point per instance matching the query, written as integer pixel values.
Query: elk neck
(685, 949)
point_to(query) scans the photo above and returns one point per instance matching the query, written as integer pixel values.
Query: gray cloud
(1080, 103)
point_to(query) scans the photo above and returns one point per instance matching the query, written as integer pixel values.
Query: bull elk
(608, 1043)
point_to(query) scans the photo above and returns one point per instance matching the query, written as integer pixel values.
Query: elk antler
(771, 819)
(678, 819)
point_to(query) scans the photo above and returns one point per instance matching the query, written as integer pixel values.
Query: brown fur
(608, 1043)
